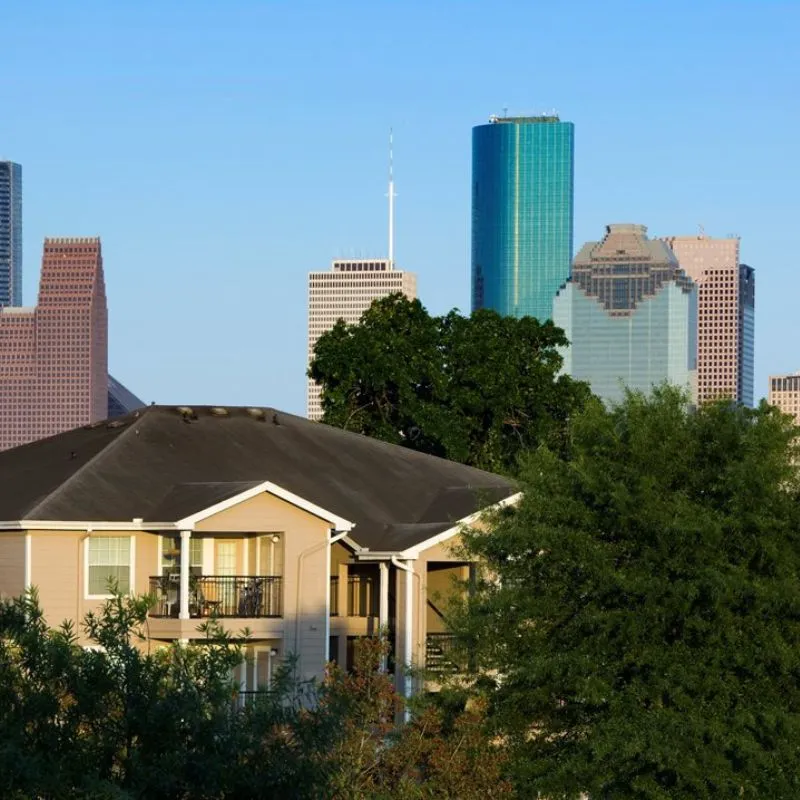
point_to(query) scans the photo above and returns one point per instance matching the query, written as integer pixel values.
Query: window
(109, 558)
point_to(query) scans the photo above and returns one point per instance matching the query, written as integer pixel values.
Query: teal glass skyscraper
(522, 213)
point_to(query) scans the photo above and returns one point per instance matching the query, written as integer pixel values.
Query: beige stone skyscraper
(345, 292)
(784, 392)
(725, 315)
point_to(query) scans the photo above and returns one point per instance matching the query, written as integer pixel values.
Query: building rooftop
(163, 463)
(494, 119)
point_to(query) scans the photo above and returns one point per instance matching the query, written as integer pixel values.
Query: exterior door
(226, 558)
(226, 567)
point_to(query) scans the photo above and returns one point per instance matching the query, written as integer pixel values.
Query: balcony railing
(439, 652)
(334, 595)
(362, 596)
(219, 595)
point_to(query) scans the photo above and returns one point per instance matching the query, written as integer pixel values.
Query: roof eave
(414, 551)
(82, 525)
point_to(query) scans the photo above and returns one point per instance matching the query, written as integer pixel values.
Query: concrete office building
(10, 234)
(522, 213)
(54, 356)
(725, 316)
(345, 292)
(630, 314)
(784, 392)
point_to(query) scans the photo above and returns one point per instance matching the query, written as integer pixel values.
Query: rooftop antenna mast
(392, 195)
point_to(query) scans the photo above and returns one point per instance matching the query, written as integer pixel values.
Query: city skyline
(146, 101)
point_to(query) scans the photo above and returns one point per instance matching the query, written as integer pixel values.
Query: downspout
(408, 638)
(327, 545)
(82, 578)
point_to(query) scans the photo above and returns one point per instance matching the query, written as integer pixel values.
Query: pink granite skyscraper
(725, 315)
(54, 357)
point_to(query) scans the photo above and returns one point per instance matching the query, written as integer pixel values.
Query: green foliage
(643, 611)
(122, 722)
(478, 389)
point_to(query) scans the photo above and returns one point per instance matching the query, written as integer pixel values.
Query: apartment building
(308, 535)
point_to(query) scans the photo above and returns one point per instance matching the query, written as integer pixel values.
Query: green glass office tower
(522, 211)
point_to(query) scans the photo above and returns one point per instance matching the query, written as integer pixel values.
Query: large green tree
(121, 721)
(478, 389)
(640, 628)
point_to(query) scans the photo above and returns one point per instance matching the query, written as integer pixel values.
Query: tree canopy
(642, 607)
(477, 389)
(119, 721)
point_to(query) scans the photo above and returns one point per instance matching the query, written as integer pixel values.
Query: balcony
(247, 596)
(362, 596)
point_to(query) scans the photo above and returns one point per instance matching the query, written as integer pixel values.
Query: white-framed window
(109, 558)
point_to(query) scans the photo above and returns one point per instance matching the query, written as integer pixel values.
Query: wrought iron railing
(219, 595)
(439, 655)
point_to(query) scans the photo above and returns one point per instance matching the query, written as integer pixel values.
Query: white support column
(408, 655)
(186, 540)
(333, 538)
(383, 607)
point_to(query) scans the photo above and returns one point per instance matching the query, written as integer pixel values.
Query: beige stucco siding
(58, 572)
(56, 567)
(264, 513)
(306, 582)
(12, 564)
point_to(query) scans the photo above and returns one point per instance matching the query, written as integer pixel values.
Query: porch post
(186, 538)
(408, 655)
(383, 608)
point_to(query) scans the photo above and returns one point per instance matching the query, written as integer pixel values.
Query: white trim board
(414, 551)
(340, 523)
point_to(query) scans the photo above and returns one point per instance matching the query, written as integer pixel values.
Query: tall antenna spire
(391, 201)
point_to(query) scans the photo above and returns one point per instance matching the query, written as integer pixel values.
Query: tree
(639, 625)
(442, 753)
(119, 722)
(477, 389)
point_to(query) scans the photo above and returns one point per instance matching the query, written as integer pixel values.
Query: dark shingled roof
(159, 466)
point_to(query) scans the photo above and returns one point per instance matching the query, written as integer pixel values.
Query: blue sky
(224, 149)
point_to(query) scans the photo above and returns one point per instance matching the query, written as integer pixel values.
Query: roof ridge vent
(218, 411)
(187, 413)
